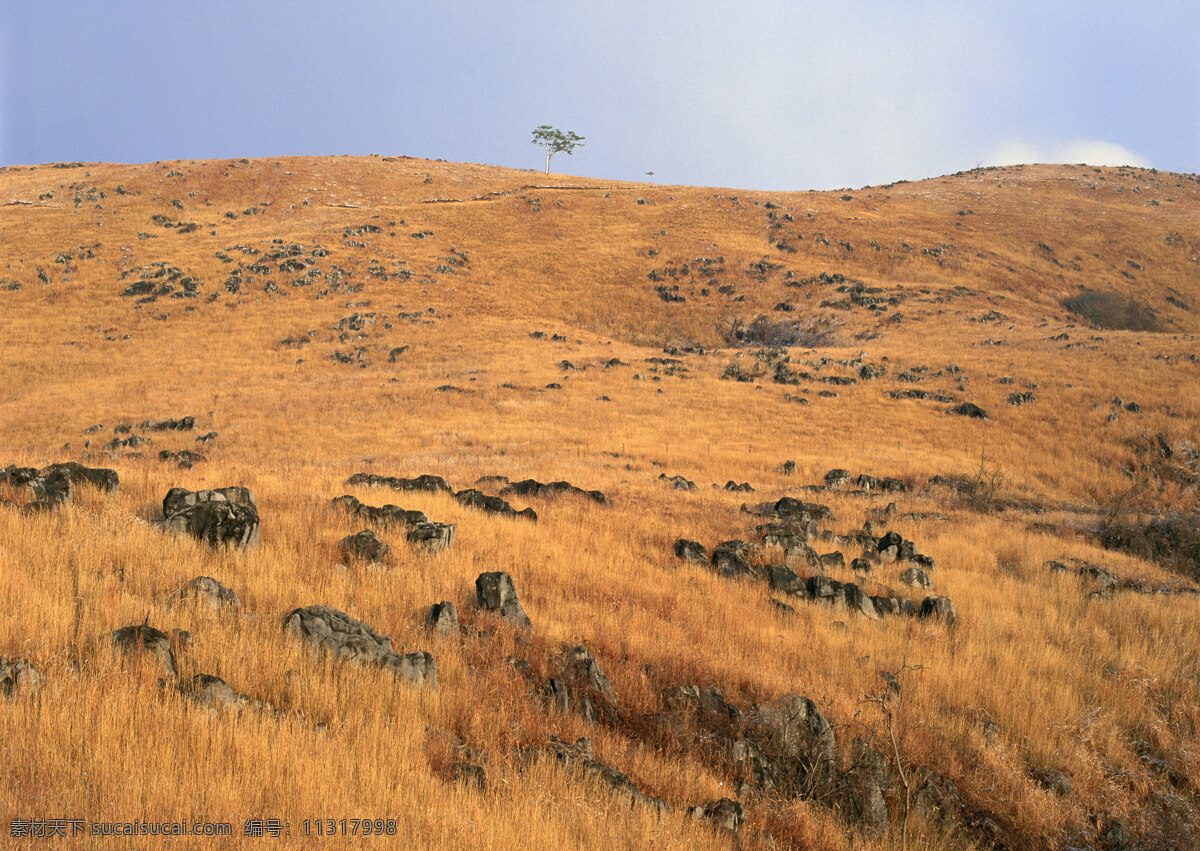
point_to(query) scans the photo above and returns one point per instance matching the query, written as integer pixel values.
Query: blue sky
(754, 95)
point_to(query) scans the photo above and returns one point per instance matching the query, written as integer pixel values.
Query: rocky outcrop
(426, 482)
(206, 593)
(18, 677)
(364, 546)
(346, 639)
(495, 592)
(218, 517)
(144, 643)
(580, 685)
(492, 505)
(383, 516)
(532, 487)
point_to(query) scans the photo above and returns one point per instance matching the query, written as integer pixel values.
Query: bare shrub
(1113, 312)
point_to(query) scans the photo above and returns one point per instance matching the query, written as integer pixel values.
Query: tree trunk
(548, 155)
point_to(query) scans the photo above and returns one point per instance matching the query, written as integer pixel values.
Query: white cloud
(1089, 151)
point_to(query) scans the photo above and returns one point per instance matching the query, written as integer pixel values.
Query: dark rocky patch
(492, 504)
(347, 639)
(429, 483)
(18, 677)
(364, 546)
(219, 517)
(532, 487)
(206, 592)
(495, 592)
(384, 516)
(144, 642)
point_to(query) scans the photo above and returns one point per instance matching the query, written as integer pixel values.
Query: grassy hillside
(322, 317)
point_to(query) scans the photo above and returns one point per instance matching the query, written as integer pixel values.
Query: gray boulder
(939, 607)
(144, 642)
(18, 676)
(443, 619)
(219, 517)
(432, 536)
(364, 546)
(495, 592)
(344, 638)
(207, 593)
(915, 577)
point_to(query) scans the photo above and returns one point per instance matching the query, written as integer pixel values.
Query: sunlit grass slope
(312, 312)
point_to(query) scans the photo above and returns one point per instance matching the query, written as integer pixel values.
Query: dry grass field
(323, 317)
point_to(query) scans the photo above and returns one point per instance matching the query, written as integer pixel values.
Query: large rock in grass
(432, 536)
(583, 685)
(144, 643)
(496, 592)
(350, 640)
(938, 607)
(218, 517)
(17, 677)
(214, 693)
(492, 504)
(384, 515)
(364, 546)
(207, 593)
(428, 483)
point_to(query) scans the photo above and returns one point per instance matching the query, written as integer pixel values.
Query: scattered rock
(492, 504)
(582, 685)
(495, 592)
(143, 642)
(364, 546)
(223, 516)
(18, 677)
(346, 639)
(692, 551)
(443, 619)
(206, 592)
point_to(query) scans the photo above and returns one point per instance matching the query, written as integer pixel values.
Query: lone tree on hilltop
(556, 141)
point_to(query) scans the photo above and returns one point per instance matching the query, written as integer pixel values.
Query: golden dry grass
(1084, 686)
